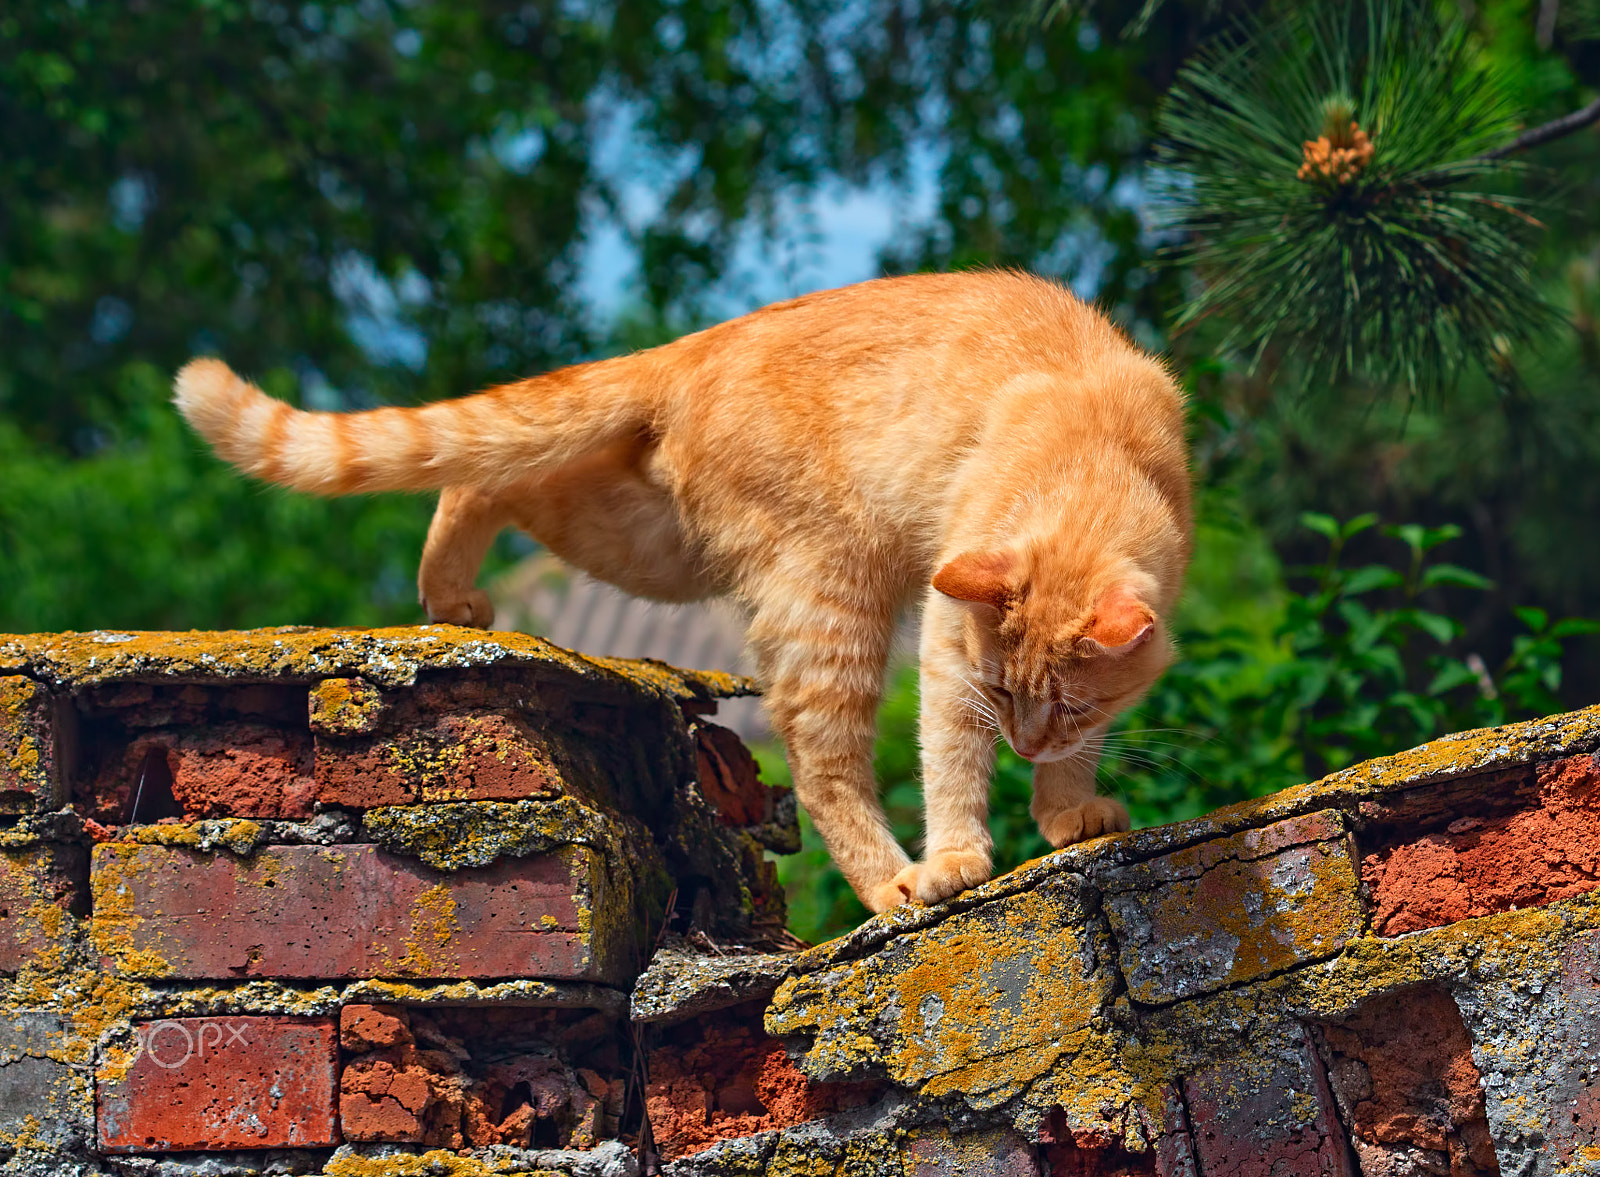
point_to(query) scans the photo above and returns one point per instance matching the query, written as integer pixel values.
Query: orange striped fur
(982, 446)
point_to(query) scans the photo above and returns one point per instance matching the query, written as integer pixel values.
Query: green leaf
(1440, 628)
(1373, 576)
(1454, 574)
(1574, 627)
(1321, 524)
(1533, 617)
(1357, 525)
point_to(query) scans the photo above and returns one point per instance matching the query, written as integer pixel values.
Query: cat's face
(1052, 671)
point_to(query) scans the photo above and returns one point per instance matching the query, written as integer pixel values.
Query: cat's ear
(1121, 622)
(981, 578)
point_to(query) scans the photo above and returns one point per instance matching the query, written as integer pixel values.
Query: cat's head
(1055, 658)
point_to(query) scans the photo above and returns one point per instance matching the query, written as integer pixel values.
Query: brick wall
(430, 901)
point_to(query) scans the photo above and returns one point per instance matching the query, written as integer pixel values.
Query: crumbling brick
(222, 1083)
(356, 911)
(31, 769)
(1241, 908)
(1477, 866)
(1067, 1155)
(1401, 1068)
(345, 707)
(414, 1084)
(729, 777)
(229, 770)
(727, 1079)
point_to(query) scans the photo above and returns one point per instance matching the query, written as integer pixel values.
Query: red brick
(1267, 1115)
(474, 756)
(30, 758)
(1403, 1073)
(41, 888)
(222, 1083)
(1244, 907)
(729, 777)
(1481, 866)
(357, 911)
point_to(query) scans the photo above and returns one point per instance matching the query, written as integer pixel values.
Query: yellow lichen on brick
(391, 657)
(433, 1163)
(427, 950)
(114, 921)
(24, 758)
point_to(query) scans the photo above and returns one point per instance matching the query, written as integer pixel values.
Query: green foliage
(1388, 264)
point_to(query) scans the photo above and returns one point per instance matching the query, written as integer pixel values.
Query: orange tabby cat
(985, 442)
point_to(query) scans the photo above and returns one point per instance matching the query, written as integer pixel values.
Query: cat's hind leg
(464, 525)
(823, 656)
(1066, 806)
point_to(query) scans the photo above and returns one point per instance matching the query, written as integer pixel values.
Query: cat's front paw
(474, 609)
(945, 874)
(1098, 815)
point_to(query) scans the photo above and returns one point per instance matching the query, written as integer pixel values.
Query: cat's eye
(1004, 695)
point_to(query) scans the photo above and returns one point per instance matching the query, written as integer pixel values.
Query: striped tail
(489, 440)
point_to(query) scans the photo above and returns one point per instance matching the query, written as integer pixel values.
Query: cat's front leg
(957, 761)
(1066, 806)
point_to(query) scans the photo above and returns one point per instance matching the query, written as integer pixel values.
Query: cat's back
(928, 348)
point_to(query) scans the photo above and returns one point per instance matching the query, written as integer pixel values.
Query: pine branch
(1554, 129)
(1327, 188)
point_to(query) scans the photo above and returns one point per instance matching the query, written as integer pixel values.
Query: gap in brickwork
(1494, 843)
(189, 751)
(480, 1077)
(1065, 1156)
(1402, 1076)
(710, 1081)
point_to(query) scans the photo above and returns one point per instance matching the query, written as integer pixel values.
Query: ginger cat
(983, 441)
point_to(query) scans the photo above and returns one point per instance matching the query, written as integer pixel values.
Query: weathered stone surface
(1534, 1018)
(296, 653)
(46, 1099)
(998, 1152)
(980, 1004)
(457, 835)
(42, 888)
(1234, 910)
(680, 983)
(1477, 866)
(220, 1083)
(30, 753)
(356, 911)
